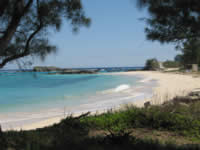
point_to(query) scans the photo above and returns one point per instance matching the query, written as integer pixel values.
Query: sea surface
(25, 93)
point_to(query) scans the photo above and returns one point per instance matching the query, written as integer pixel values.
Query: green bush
(152, 64)
(116, 123)
(73, 132)
(155, 117)
(171, 64)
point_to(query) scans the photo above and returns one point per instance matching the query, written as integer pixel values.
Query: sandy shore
(168, 86)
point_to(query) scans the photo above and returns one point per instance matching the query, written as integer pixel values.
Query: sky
(116, 38)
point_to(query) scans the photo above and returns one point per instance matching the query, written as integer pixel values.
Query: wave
(121, 88)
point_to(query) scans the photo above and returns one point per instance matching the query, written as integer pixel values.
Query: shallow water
(28, 97)
(29, 91)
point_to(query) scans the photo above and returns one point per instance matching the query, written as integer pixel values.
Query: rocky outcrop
(46, 69)
(74, 72)
(56, 70)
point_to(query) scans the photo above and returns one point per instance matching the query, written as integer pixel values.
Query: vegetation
(190, 53)
(178, 119)
(171, 64)
(152, 64)
(23, 29)
(175, 21)
(182, 120)
(172, 20)
(25, 24)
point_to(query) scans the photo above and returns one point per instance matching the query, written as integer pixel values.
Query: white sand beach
(168, 86)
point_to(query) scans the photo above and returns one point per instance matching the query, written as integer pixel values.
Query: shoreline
(169, 85)
(165, 87)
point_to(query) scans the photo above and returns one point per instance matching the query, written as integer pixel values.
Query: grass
(174, 125)
(180, 119)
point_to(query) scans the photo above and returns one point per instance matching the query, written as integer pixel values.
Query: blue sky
(115, 38)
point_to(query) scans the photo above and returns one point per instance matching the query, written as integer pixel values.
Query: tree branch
(19, 12)
(22, 34)
(27, 46)
(26, 49)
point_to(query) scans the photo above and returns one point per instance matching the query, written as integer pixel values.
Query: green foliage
(171, 64)
(25, 24)
(176, 21)
(172, 20)
(115, 123)
(152, 64)
(194, 110)
(184, 120)
(190, 53)
(178, 58)
(73, 132)
(59, 136)
(3, 142)
(174, 122)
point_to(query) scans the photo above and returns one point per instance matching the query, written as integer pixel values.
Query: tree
(152, 64)
(190, 52)
(178, 58)
(171, 64)
(3, 142)
(25, 23)
(172, 20)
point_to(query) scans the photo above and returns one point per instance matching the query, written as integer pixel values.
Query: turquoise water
(26, 91)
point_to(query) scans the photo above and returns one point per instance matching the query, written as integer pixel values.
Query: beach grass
(174, 125)
(184, 120)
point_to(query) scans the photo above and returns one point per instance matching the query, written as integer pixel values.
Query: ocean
(29, 95)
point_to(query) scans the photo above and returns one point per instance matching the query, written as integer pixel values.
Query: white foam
(121, 88)
(146, 80)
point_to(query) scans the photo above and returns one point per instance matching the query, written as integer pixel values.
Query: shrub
(152, 64)
(117, 124)
(171, 64)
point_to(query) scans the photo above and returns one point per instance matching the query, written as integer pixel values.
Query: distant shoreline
(109, 69)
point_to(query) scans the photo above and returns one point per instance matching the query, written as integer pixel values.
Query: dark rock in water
(46, 69)
(74, 72)
(56, 70)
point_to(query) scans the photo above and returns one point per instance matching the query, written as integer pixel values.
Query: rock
(45, 69)
(56, 70)
(74, 72)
